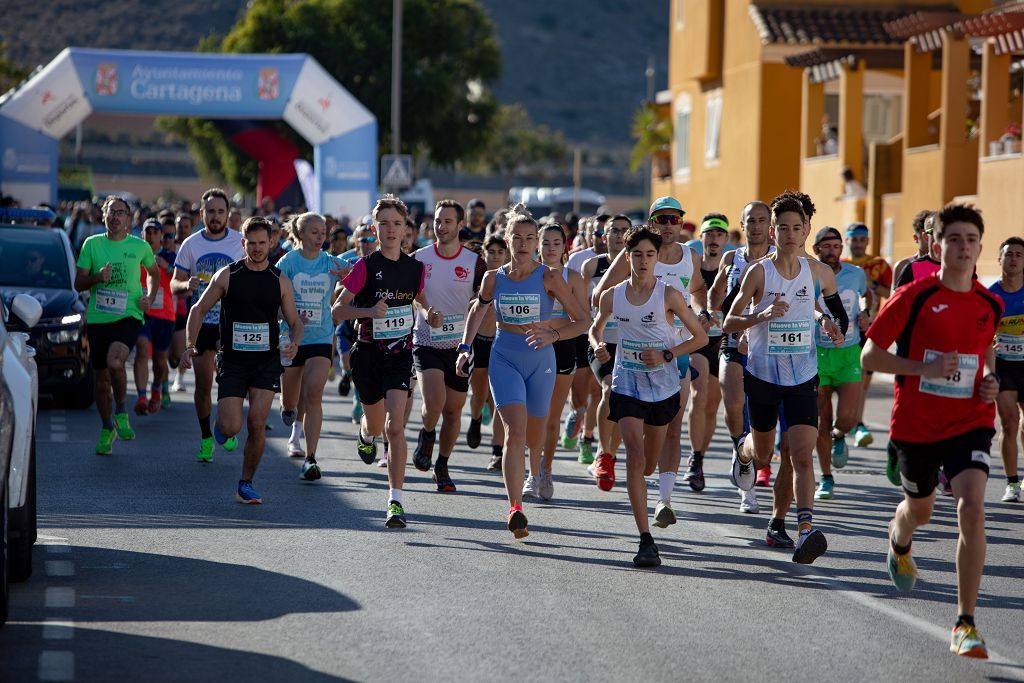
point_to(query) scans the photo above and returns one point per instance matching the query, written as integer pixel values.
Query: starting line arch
(291, 87)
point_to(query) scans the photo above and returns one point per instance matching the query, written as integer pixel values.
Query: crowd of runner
(618, 326)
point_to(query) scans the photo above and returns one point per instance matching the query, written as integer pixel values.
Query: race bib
(250, 336)
(311, 312)
(631, 350)
(787, 338)
(958, 385)
(557, 309)
(395, 325)
(1010, 347)
(451, 329)
(111, 301)
(158, 301)
(519, 309)
(716, 324)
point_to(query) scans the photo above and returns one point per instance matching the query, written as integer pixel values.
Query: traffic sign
(396, 170)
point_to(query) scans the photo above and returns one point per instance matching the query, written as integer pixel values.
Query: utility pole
(649, 166)
(396, 78)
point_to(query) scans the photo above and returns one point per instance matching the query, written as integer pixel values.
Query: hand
(338, 272)
(461, 363)
(194, 283)
(989, 388)
(832, 330)
(652, 357)
(601, 353)
(145, 302)
(864, 320)
(540, 336)
(705, 320)
(942, 366)
(434, 318)
(776, 309)
(186, 358)
(106, 272)
(379, 310)
(741, 345)
(289, 350)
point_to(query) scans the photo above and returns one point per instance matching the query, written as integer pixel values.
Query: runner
(782, 361)
(314, 276)
(157, 326)
(838, 366)
(923, 240)
(1010, 357)
(345, 334)
(182, 230)
(108, 266)
(250, 292)
(451, 280)
(480, 409)
(378, 295)
(645, 379)
(522, 363)
(925, 264)
(474, 234)
(199, 258)
(944, 413)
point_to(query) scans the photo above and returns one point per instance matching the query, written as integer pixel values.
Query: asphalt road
(146, 569)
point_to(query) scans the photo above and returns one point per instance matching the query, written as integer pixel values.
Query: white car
(19, 385)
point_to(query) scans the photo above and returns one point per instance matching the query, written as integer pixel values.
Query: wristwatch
(667, 355)
(466, 348)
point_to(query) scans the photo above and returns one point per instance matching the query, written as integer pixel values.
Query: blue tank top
(1010, 334)
(524, 302)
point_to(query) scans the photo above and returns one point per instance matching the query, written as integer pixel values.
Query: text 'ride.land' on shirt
(378, 278)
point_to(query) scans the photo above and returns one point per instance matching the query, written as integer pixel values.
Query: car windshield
(33, 257)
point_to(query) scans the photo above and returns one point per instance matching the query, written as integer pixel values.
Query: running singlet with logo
(248, 321)
(117, 298)
(199, 256)
(643, 327)
(736, 270)
(678, 276)
(378, 278)
(451, 282)
(851, 283)
(524, 302)
(925, 320)
(313, 284)
(1010, 335)
(782, 351)
(918, 268)
(163, 305)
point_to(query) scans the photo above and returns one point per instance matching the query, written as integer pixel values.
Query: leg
(850, 395)
(553, 424)
(801, 448)
(1009, 419)
(714, 392)
(291, 387)
(260, 401)
(782, 489)
(969, 492)
(432, 390)
(481, 391)
(314, 378)
(160, 371)
(731, 376)
(632, 429)
(397, 401)
(608, 432)
(699, 400)
(229, 415)
(824, 441)
(451, 420)
(593, 399)
(670, 450)
(514, 420)
(141, 367)
(117, 354)
(104, 398)
(204, 367)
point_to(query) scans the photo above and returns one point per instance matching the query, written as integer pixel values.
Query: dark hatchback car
(38, 261)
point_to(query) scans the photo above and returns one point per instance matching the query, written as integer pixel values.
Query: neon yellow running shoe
(105, 446)
(124, 429)
(205, 453)
(230, 444)
(966, 642)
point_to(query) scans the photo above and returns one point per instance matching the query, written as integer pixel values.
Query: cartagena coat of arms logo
(106, 79)
(267, 87)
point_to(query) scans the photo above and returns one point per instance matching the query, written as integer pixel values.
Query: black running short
(655, 414)
(602, 370)
(1011, 376)
(376, 372)
(710, 351)
(482, 352)
(237, 375)
(920, 462)
(429, 358)
(180, 321)
(582, 344)
(730, 354)
(565, 356)
(208, 339)
(799, 403)
(158, 331)
(103, 335)
(307, 351)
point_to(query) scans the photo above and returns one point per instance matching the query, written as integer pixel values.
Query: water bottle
(283, 343)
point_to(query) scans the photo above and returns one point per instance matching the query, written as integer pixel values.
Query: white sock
(395, 495)
(666, 482)
(297, 432)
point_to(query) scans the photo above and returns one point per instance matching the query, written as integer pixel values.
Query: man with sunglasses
(365, 244)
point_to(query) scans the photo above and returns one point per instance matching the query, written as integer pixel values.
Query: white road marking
(60, 568)
(45, 539)
(59, 596)
(60, 438)
(56, 665)
(59, 628)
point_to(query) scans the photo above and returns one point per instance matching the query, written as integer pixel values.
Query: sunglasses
(599, 233)
(668, 219)
(367, 240)
(168, 236)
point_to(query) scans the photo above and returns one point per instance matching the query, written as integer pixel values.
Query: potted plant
(1011, 139)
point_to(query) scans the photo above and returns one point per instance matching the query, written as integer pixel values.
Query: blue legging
(521, 374)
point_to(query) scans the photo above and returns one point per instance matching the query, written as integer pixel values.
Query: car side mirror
(25, 313)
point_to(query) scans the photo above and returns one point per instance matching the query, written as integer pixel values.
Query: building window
(680, 9)
(713, 125)
(682, 130)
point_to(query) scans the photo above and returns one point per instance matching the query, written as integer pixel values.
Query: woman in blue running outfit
(522, 364)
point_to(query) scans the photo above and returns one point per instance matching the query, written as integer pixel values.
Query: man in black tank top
(249, 365)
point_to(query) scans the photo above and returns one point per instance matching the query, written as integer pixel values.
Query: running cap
(666, 203)
(827, 233)
(714, 224)
(856, 229)
(152, 224)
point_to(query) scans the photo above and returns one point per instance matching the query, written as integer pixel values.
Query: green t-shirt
(118, 298)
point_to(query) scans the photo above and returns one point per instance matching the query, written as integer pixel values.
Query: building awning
(1007, 28)
(849, 25)
(825, 64)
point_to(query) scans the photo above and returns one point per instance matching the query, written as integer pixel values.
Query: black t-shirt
(248, 314)
(375, 278)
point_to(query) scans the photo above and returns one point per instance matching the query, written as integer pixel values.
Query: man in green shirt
(108, 266)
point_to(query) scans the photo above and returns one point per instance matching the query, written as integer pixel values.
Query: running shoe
(230, 444)
(165, 396)
(423, 456)
(310, 470)
(966, 642)
(572, 430)
(694, 475)
(862, 436)
(825, 490)
(517, 522)
(473, 433)
(531, 487)
(247, 494)
(124, 429)
(764, 477)
(382, 461)
(840, 453)
(944, 486)
(345, 385)
(778, 538)
(902, 570)
(647, 555)
(547, 486)
(105, 446)
(443, 479)
(288, 417)
(179, 383)
(664, 515)
(495, 464)
(741, 475)
(295, 449)
(1012, 494)
(205, 453)
(142, 406)
(892, 466)
(154, 404)
(357, 411)
(810, 545)
(486, 414)
(748, 502)
(586, 455)
(603, 471)
(367, 451)
(396, 516)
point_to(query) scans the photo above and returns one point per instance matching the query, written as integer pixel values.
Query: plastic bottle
(283, 343)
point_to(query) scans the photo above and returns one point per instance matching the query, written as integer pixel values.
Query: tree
(11, 74)
(449, 56)
(652, 133)
(518, 144)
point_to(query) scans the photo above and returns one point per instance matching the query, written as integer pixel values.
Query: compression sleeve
(838, 311)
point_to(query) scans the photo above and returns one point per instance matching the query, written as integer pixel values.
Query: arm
(699, 291)
(344, 310)
(214, 293)
(477, 311)
(753, 282)
(716, 295)
(578, 313)
(879, 359)
(616, 273)
(434, 318)
(84, 279)
(596, 334)
(291, 316)
(676, 306)
(152, 286)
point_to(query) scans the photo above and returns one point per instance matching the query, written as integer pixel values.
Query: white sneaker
(179, 382)
(748, 502)
(664, 515)
(382, 461)
(295, 449)
(531, 488)
(1012, 494)
(547, 486)
(742, 475)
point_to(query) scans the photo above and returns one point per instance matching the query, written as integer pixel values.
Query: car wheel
(80, 396)
(23, 527)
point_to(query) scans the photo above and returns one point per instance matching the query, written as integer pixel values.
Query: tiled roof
(803, 25)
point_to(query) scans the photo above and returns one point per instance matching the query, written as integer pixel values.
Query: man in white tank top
(782, 361)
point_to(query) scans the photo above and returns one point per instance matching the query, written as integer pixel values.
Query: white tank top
(449, 284)
(739, 265)
(640, 327)
(783, 351)
(678, 276)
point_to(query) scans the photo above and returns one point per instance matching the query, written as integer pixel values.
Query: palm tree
(653, 136)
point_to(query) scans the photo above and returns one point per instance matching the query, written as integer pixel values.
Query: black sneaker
(345, 385)
(442, 479)
(473, 434)
(778, 538)
(310, 469)
(810, 546)
(367, 451)
(396, 516)
(423, 456)
(648, 555)
(495, 464)
(694, 475)
(288, 417)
